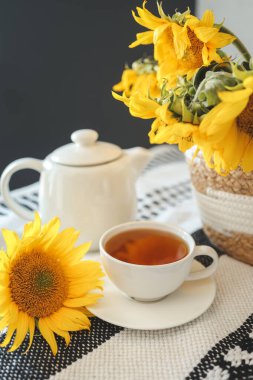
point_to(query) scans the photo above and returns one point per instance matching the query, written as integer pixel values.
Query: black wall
(58, 62)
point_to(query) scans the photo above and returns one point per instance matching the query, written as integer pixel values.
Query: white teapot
(89, 184)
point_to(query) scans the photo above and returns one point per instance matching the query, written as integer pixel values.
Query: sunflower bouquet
(196, 94)
(199, 97)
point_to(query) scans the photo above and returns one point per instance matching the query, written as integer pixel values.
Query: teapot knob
(84, 137)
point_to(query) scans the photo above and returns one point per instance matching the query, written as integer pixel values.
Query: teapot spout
(139, 158)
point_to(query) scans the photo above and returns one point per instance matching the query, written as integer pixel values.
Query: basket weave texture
(226, 208)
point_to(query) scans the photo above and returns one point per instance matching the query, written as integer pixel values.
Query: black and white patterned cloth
(217, 345)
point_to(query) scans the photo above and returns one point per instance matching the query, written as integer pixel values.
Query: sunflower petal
(248, 83)
(233, 152)
(144, 38)
(149, 20)
(31, 327)
(79, 252)
(208, 18)
(21, 331)
(164, 30)
(205, 34)
(218, 163)
(214, 134)
(192, 21)
(88, 299)
(213, 55)
(165, 115)
(8, 336)
(143, 107)
(57, 331)
(171, 133)
(33, 228)
(139, 20)
(205, 55)
(233, 97)
(64, 241)
(13, 312)
(180, 39)
(69, 325)
(3, 257)
(247, 159)
(79, 289)
(4, 295)
(70, 319)
(4, 322)
(222, 114)
(86, 312)
(48, 335)
(190, 73)
(4, 274)
(129, 77)
(85, 270)
(122, 98)
(50, 230)
(11, 240)
(10, 315)
(221, 40)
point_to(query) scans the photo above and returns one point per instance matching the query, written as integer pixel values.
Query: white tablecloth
(217, 345)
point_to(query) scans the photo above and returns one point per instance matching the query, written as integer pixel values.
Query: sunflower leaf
(251, 63)
(187, 116)
(161, 12)
(196, 120)
(240, 72)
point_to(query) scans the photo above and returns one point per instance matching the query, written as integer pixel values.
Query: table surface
(217, 345)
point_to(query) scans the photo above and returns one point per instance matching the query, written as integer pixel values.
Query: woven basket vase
(226, 207)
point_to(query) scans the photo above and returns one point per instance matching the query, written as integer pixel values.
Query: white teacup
(152, 282)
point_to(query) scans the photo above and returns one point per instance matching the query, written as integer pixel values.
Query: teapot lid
(86, 150)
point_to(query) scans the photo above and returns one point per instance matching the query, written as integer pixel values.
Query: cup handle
(205, 272)
(22, 163)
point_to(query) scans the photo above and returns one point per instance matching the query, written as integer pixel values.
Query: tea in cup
(148, 260)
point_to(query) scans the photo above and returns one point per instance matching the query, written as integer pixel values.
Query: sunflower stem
(238, 44)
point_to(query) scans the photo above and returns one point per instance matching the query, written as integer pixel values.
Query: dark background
(58, 62)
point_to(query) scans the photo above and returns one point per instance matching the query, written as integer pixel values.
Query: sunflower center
(193, 54)
(37, 283)
(43, 280)
(245, 119)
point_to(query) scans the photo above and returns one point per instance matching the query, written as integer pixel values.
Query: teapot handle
(23, 163)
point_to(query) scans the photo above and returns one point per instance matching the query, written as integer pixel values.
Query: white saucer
(191, 300)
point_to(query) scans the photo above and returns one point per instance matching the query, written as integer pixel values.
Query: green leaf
(240, 73)
(176, 105)
(187, 116)
(196, 120)
(239, 86)
(161, 12)
(251, 63)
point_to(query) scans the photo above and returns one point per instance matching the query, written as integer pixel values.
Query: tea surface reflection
(146, 247)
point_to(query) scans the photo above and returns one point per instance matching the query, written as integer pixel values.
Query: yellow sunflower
(167, 129)
(44, 283)
(128, 79)
(226, 132)
(132, 82)
(182, 44)
(139, 105)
